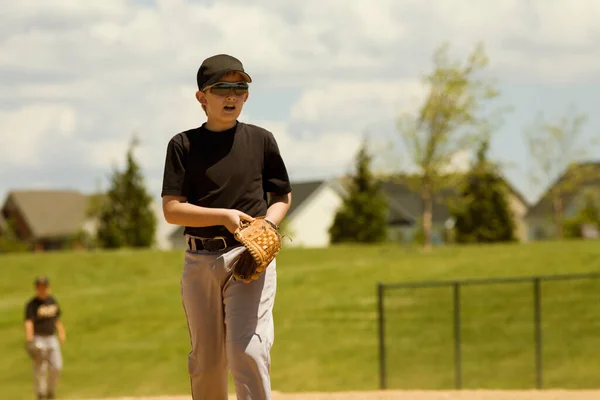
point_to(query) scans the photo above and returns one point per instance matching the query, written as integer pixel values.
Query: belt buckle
(210, 248)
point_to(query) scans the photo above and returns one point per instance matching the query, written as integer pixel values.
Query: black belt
(210, 244)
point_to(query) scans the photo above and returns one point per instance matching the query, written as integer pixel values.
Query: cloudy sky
(78, 78)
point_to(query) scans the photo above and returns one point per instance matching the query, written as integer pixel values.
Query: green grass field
(127, 333)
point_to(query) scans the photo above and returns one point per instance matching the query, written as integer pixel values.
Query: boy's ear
(200, 97)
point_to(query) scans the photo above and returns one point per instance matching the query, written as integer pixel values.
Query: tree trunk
(558, 211)
(427, 215)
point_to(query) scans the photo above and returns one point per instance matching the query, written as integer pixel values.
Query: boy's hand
(262, 242)
(233, 219)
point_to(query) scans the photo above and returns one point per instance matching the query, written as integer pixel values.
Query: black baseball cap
(42, 280)
(213, 69)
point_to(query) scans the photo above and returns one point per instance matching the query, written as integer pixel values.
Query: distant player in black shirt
(215, 176)
(42, 323)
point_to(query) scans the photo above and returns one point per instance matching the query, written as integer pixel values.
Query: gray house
(573, 185)
(54, 219)
(47, 219)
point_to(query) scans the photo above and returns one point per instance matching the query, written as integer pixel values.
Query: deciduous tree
(450, 121)
(556, 147)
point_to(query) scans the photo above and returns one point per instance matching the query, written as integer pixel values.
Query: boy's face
(223, 105)
(42, 290)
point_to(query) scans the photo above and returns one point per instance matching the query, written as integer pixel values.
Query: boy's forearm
(178, 212)
(185, 214)
(62, 334)
(28, 330)
(278, 208)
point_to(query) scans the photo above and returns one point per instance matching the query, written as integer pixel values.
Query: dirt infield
(418, 395)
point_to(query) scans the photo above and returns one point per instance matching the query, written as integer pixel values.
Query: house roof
(401, 195)
(587, 173)
(397, 212)
(302, 191)
(51, 213)
(3, 223)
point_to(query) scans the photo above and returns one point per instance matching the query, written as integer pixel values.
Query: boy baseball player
(42, 322)
(216, 176)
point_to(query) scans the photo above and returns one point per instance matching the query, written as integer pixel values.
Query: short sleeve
(174, 174)
(275, 174)
(29, 311)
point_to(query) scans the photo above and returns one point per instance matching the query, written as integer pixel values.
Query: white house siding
(309, 224)
(519, 209)
(163, 228)
(177, 239)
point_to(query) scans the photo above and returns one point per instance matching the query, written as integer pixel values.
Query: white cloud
(67, 122)
(82, 76)
(313, 37)
(566, 23)
(27, 130)
(356, 103)
(459, 162)
(332, 152)
(540, 40)
(107, 153)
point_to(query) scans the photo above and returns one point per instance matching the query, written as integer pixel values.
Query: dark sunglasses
(226, 88)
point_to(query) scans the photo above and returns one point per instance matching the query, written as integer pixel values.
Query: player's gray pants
(47, 364)
(230, 325)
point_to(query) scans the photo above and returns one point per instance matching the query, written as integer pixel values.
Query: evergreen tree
(9, 240)
(483, 214)
(363, 214)
(126, 218)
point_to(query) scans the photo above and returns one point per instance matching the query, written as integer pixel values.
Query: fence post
(537, 315)
(380, 312)
(457, 338)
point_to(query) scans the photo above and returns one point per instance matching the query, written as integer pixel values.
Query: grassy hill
(127, 332)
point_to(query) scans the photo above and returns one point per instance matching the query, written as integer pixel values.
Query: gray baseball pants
(230, 326)
(47, 364)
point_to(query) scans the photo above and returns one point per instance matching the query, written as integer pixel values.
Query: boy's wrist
(273, 223)
(221, 214)
(272, 219)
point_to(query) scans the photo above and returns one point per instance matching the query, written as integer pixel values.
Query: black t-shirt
(233, 169)
(44, 314)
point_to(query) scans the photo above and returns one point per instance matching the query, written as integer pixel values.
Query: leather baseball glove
(262, 242)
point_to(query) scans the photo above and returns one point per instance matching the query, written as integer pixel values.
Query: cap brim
(216, 78)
